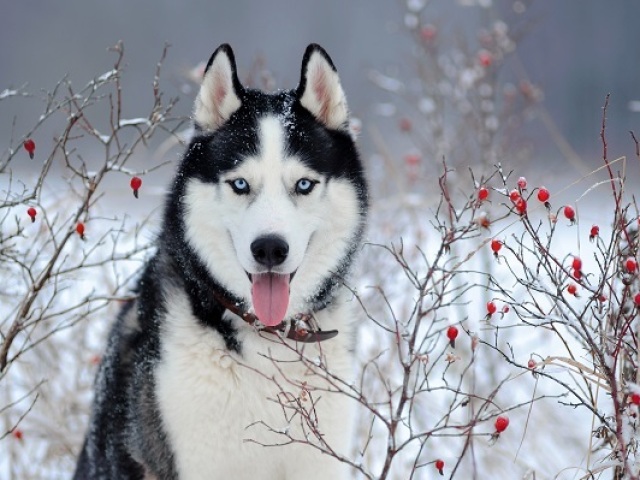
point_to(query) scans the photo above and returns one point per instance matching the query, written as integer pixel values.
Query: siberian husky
(226, 364)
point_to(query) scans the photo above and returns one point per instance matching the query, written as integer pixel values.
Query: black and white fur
(183, 379)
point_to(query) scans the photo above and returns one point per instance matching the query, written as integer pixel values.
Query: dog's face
(273, 190)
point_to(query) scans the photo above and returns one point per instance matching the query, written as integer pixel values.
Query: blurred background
(574, 52)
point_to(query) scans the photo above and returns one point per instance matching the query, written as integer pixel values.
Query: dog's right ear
(220, 92)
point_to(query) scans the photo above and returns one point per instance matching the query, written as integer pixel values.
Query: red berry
(531, 363)
(636, 299)
(543, 194)
(136, 183)
(428, 33)
(577, 274)
(496, 245)
(505, 309)
(452, 334)
(483, 220)
(631, 265)
(635, 398)
(522, 183)
(483, 194)
(572, 289)
(521, 206)
(514, 195)
(440, 466)
(602, 298)
(485, 58)
(30, 147)
(577, 263)
(17, 434)
(595, 230)
(412, 159)
(405, 124)
(32, 212)
(491, 308)
(502, 422)
(80, 229)
(570, 213)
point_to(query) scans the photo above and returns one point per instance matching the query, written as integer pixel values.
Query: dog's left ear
(220, 92)
(320, 91)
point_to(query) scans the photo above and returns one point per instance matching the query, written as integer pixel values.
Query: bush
(68, 258)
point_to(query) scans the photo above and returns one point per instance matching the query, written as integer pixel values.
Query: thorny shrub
(66, 258)
(464, 326)
(585, 294)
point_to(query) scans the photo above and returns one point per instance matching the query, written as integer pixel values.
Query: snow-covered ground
(544, 440)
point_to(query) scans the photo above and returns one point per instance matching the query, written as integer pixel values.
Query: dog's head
(271, 187)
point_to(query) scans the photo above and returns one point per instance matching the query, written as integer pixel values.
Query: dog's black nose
(270, 250)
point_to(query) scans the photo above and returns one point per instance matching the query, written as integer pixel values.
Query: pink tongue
(270, 294)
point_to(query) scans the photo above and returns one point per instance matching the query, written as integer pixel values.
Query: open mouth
(270, 296)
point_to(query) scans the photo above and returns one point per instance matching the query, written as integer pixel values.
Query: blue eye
(304, 186)
(240, 186)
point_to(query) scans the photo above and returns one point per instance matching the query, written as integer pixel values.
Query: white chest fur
(220, 409)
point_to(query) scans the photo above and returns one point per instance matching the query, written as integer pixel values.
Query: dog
(242, 320)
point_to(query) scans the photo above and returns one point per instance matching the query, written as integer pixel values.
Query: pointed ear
(220, 92)
(320, 91)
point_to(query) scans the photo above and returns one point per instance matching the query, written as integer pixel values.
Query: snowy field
(48, 389)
